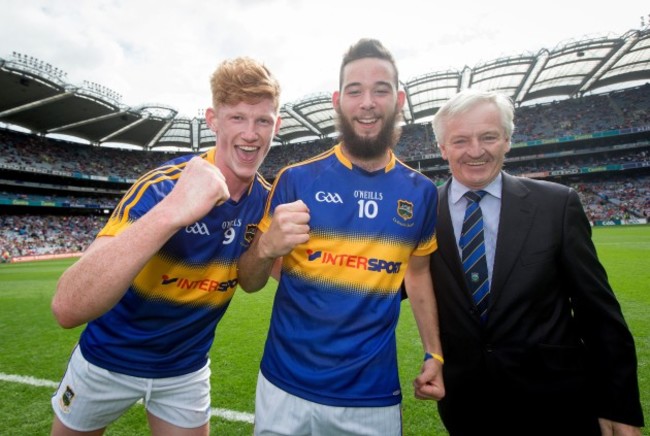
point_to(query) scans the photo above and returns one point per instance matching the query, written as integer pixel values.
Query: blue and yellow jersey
(165, 324)
(332, 333)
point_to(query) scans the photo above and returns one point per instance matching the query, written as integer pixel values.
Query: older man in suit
(533, 336)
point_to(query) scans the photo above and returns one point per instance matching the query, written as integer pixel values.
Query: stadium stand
(55, 195)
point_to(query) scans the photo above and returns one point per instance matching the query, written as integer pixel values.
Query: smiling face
(244, 134)
(475, 145)
(368, 107)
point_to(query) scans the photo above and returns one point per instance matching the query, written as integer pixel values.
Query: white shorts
(90, 397)
(280, 413)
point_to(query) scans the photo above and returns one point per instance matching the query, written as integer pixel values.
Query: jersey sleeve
(280, 194)
(428, 242)
(145, 193)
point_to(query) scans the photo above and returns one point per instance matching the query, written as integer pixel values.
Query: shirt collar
(457, 189)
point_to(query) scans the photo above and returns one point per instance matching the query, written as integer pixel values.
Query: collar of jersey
(345, 161)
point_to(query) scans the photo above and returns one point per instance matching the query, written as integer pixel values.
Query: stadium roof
(35, 96)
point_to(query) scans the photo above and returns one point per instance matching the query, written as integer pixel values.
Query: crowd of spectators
(36, 153)
(280, 156)
(33, 235)
(618, 197)
(610, 197)
(615, 198)
(575, 162)
(571, 117)
(59, 200)
(578, 116)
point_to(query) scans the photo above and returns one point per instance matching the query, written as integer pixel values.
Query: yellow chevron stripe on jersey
(427, 246)
(377, 266)
(212, 285)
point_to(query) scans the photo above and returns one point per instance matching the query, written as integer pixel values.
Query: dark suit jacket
(555, 345)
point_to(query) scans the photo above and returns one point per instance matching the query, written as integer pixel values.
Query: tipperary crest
(65, 401)
(250, 232)
(405, 209)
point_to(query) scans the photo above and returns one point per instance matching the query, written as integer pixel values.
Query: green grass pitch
(35, 350)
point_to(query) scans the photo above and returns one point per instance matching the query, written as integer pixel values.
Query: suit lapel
(515, 222)
(447, 243)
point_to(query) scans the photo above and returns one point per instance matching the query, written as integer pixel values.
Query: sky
(163, 52)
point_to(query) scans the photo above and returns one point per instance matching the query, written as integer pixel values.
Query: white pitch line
(27, 380)
(228, 415)
(231, 415)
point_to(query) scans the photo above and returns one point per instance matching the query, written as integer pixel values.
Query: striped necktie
(472, 244)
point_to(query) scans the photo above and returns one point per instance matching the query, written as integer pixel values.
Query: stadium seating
(55, 195)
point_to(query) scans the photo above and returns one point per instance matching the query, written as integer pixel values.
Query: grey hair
(468, 99)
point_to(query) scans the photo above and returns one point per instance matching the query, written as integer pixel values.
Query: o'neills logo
(206, 285)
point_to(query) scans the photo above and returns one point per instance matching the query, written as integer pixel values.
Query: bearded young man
(348, 226)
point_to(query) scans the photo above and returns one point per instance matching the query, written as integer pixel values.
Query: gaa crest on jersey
(66, 399)
(405, 209)
(198, 228)
(250, 232)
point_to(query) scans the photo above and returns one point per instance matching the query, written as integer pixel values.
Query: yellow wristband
(438, 357)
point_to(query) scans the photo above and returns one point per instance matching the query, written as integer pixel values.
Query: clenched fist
(200, 188)
(289, 228)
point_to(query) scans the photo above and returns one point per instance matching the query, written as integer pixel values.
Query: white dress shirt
(490, 207)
